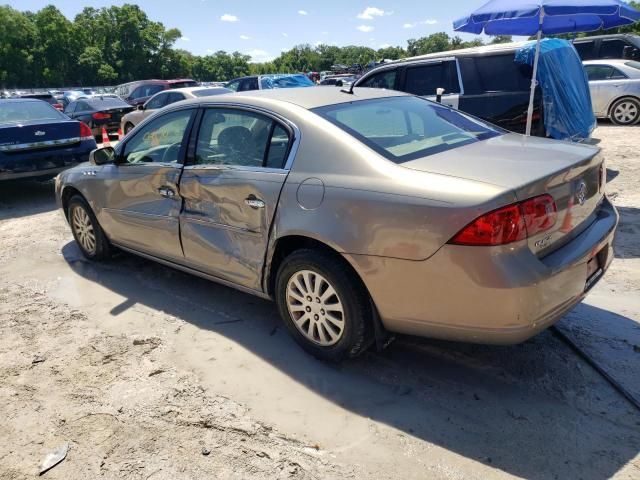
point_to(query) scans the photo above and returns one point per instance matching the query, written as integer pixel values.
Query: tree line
(113, 45)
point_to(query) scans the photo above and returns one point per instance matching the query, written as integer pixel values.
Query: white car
(615, 89)
(164, 98)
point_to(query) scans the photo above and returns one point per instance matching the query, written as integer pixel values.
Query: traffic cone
(120, 134)
(105, 138)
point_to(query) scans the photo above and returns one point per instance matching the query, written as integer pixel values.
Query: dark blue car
(38, 141)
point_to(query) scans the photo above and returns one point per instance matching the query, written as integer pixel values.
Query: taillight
(101, 116)
(85, 132)
(510, 224)
(540, 214)
(58, 106)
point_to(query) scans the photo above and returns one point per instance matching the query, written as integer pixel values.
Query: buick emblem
(39, 133)
(581, 193)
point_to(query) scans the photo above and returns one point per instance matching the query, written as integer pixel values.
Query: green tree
(17, 43)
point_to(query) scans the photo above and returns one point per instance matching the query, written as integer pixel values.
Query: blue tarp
(568, 113)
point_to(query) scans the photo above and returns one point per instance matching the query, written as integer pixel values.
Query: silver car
(615, 89)
(359, 214)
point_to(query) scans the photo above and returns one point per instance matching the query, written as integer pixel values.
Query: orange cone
(105, 138)
(120, 133)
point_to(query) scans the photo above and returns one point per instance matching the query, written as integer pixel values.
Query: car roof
(608, 61)
(611, 35)
(485, 49)
(308, 98)
(17, 100)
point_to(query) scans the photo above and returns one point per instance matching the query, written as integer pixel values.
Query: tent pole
(534, 81)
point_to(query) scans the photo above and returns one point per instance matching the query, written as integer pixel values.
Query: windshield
(23, 112)
(405, 128)
(285, 81)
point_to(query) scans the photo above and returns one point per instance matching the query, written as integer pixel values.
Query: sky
(263, 29)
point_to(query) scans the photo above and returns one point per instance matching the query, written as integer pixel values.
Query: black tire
(103, 249)
(127, 128)
(629, 116)
(357, 333)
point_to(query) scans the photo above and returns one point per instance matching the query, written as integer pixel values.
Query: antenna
(350, 91)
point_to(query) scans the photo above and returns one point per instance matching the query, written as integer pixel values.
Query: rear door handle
(254, 202)
(167, 192)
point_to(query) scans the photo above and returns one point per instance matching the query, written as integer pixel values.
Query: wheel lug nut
(322, 312)
(308, 299)
(317, 300)
(316, 317)
(308, 309)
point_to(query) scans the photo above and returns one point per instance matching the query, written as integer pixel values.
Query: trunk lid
(571, 173)
(38, 134)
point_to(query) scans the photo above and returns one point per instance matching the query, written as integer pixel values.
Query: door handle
(167, 192)
(254, 202)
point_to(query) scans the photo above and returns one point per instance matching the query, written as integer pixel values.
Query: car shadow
(626, 242)
(24, 198)
(470, 399)
(612, 174)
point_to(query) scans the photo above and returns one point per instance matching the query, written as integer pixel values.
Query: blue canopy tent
(551, 17)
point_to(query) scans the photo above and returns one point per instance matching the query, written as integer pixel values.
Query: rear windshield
(22, 112)
(206, 92)
(406, 128)
(185, 84)
(107, 102)
(286, 81)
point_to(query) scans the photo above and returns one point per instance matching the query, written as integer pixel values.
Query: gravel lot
(149, 373)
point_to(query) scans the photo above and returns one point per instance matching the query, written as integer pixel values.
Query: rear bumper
(495, 295)
(43, 163)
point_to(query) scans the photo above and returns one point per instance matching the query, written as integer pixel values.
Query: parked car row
(485, 82)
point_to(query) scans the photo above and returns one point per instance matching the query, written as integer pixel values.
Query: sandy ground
(148, 373)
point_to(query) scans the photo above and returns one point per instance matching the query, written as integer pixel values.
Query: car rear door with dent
(231, 189)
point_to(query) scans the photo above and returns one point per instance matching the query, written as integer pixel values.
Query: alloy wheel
(626, 112)
(315, 307)
(83, 229)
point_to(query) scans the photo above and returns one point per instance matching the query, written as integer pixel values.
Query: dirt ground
(148, 373)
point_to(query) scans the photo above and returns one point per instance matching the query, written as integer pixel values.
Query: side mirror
(140, 107)
(102, 156)
(439, 93)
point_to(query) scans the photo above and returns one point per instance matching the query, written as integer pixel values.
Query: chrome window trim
(38, 145)
(297, 137)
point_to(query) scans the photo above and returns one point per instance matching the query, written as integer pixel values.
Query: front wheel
(324, 305)
(625, 111)
(86, 230)
(128, 127)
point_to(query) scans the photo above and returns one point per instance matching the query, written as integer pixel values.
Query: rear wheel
(625, 111)
(87, 231)
(128, 127)
(324, 305)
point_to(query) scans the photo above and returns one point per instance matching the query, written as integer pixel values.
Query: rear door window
(501, 73)
(598, 72)
(241, 138)
(612, 48)
(385, 79)
(175, 97)
(427, 78)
